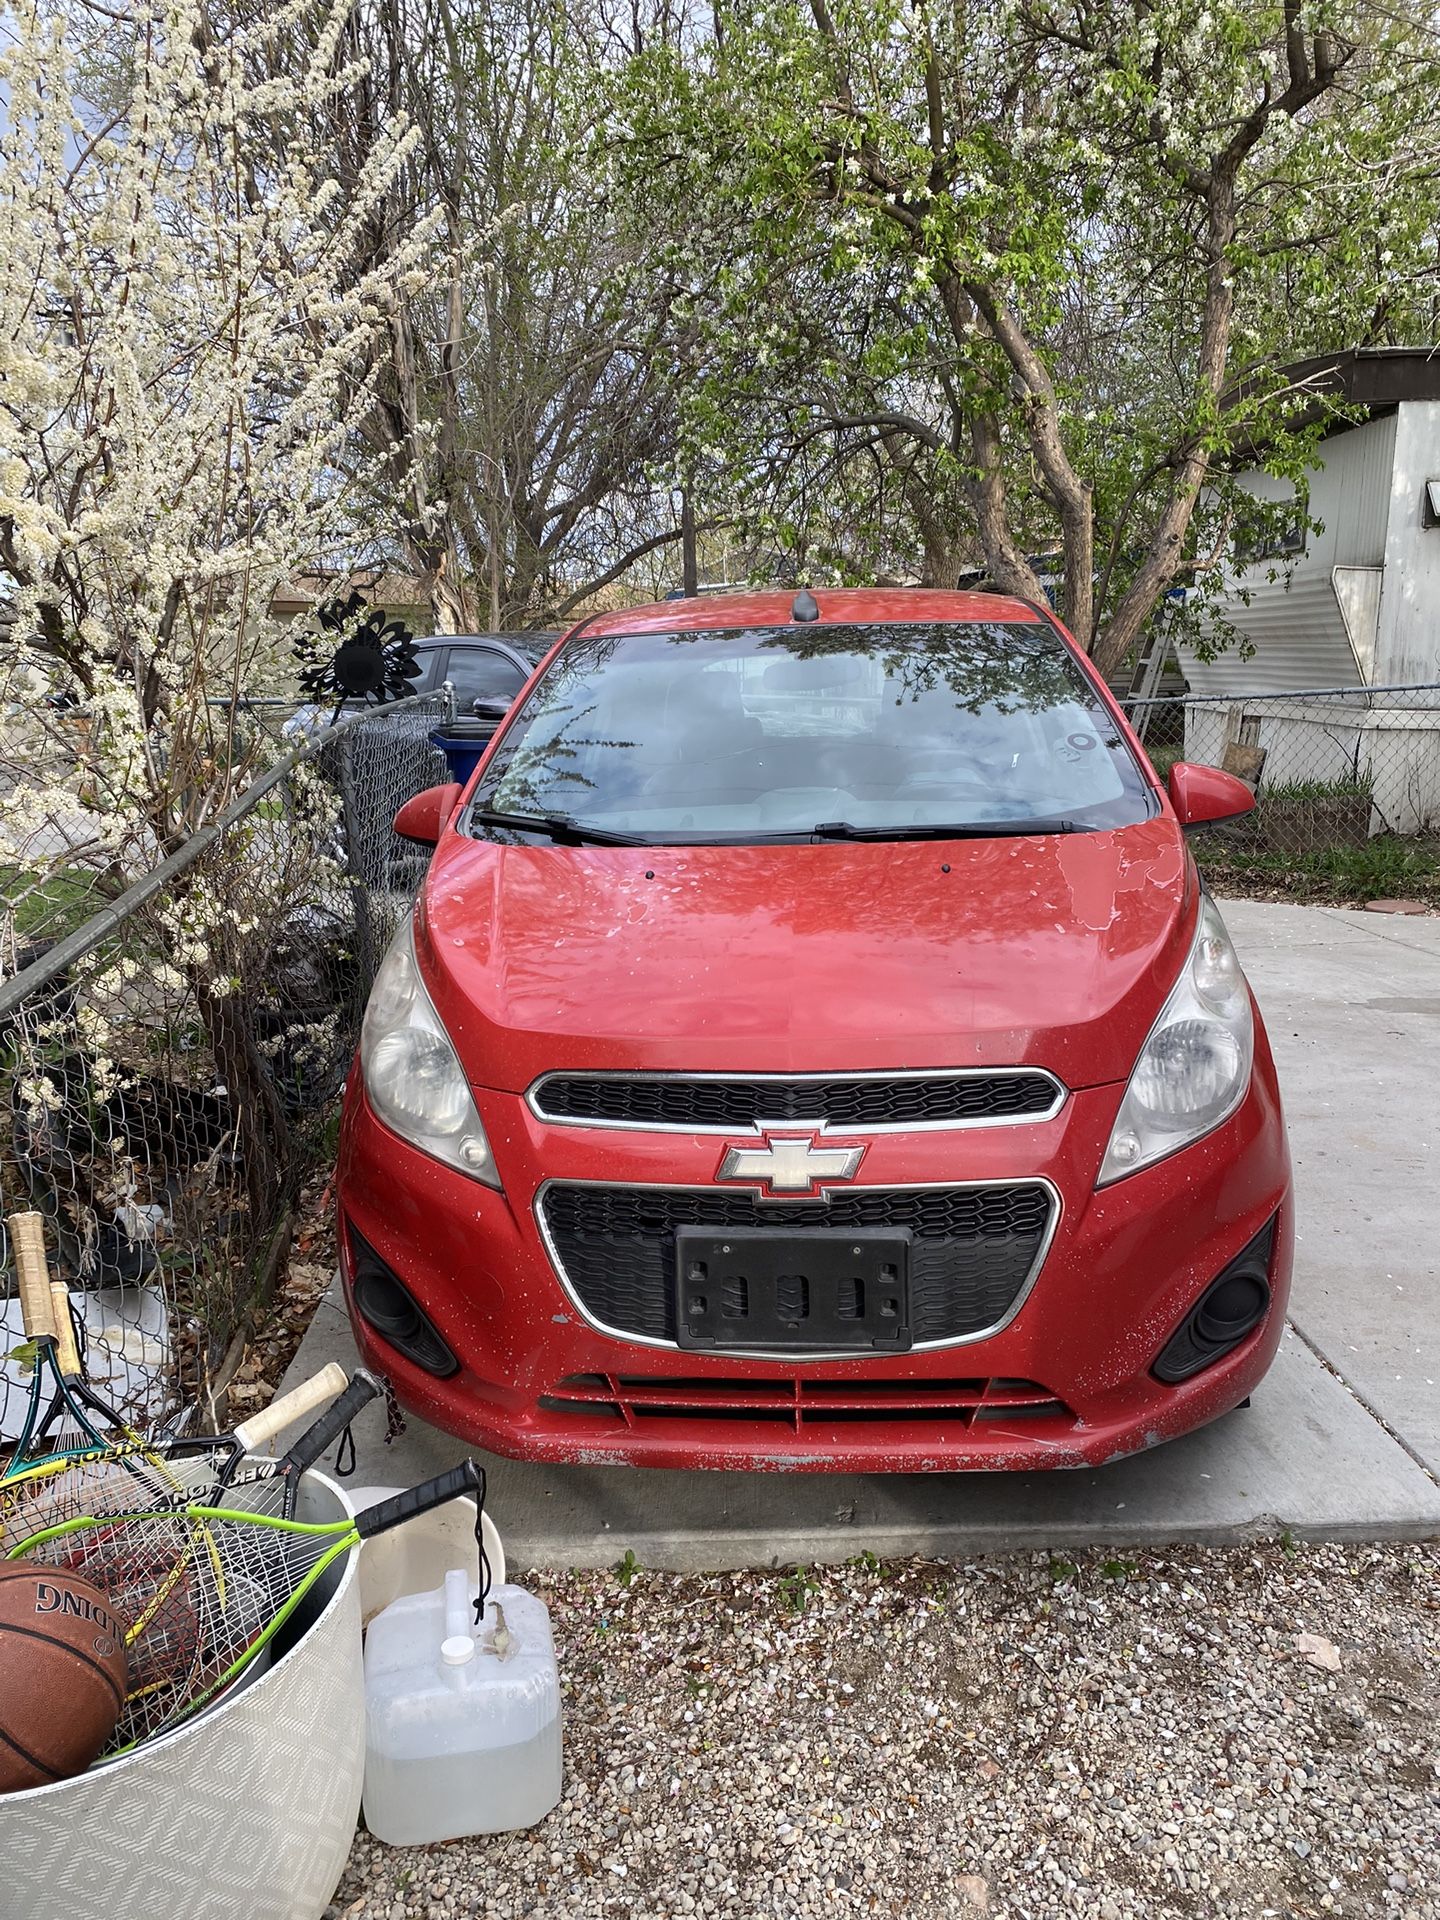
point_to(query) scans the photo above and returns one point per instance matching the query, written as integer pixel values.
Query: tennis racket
(164, 1642)
(209, 1587)
(76, 1417)
(163, 1471)
(271, 1486)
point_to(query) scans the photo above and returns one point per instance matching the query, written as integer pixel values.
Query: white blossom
(189, 312)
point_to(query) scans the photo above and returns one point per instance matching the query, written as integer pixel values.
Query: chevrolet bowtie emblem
(790, 1166)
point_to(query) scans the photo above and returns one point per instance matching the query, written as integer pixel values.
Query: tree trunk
(262, 1132)
(689, 560)
(1009, 568)
(1166, 553)
(1071, 494)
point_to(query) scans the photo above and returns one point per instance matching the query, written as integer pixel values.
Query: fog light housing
(386, 1304)
(1232, 1306)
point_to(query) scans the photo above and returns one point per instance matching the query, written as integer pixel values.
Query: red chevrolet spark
(814, 1048)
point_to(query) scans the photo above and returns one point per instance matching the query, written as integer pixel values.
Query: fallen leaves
(303, 1285)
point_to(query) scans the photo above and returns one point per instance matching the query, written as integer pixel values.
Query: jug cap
(457, 1650)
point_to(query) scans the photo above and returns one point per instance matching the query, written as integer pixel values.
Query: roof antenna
(805, 607)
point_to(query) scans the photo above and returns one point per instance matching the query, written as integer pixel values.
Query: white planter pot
(415, 1558)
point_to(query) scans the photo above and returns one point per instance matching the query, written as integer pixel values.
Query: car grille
(803, 1405)
(728, 1101)
(972, 1253)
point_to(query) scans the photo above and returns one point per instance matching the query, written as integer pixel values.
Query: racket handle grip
(456, 1484)
(316, 1438)
(32, 1275)
(253, 1433)
(67, 1354)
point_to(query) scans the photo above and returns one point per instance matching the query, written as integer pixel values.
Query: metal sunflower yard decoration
(373, 662)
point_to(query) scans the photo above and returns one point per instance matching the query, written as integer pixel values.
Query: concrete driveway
(1342, 1441)
(1352, 1003)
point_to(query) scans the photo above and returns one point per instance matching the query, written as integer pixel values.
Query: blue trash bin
(462, 742)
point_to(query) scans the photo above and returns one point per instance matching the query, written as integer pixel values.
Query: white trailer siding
(1319, 741)
(1403, 756)
(1359, 608)
(1408, 649)
(1295, 623)
(1289, 640)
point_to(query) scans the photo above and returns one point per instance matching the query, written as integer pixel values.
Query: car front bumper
(1067, 1382)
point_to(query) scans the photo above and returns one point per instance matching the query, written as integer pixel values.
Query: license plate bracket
(822, 1290)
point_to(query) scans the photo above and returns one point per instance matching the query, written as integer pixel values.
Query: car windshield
(752, 734)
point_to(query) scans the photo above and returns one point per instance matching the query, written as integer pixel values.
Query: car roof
(839, 606)
(430, 640)
(526, 646)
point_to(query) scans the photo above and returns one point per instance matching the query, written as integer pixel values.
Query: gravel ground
(1217, 1732)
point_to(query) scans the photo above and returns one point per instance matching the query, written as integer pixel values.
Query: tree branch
(637, 552)
(1042, 422)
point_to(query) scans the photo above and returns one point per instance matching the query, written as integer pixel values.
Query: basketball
(63, 1672)
(157, 1601)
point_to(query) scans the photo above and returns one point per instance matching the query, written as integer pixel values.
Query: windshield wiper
(968, 830)
(557, 826)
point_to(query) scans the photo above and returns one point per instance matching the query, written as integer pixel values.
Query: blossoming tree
(188, 328)
(1028, 273)
(191, 313)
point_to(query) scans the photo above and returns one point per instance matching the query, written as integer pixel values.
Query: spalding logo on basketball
(67, 1600)
(63, 1674)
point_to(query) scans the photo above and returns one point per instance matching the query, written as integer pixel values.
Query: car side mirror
(494, 709)
(423, 816)
(1204, 796)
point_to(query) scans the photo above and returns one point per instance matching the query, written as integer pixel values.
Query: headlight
(412, 1076)
(1195, 1066)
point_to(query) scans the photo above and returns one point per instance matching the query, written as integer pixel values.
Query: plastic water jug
(462, 1723)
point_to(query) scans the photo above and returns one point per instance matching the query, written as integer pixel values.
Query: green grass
(1391, 866)
(796, 1587)
(51, 906)
(1299, 790)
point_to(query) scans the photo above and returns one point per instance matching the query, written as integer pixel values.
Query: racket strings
(117, 1480)
(164, 1642)
(176, 1644)
(78, 1419)
(241, 1583)
(74, 1424)
(140, 1475)
(203, 1590)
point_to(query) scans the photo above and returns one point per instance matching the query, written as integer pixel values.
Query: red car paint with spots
(1048, 950)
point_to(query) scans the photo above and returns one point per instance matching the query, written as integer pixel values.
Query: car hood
(1054, 951)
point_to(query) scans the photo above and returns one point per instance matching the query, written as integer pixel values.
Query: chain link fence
(1346, 781)
(170, 1059)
